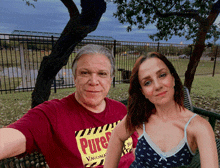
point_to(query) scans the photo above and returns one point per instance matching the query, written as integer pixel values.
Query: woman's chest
(165, 136)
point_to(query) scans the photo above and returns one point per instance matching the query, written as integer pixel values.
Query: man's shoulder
(55, 103)
(70, 98)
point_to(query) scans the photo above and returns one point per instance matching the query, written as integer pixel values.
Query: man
(73, 131)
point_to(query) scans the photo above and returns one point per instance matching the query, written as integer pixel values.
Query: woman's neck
(168, 111)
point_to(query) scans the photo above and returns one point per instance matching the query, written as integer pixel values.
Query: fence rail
(21, 55)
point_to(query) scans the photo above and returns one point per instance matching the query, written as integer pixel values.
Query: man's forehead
(93, 57)
(95, 61)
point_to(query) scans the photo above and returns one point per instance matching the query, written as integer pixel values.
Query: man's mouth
(92, 91)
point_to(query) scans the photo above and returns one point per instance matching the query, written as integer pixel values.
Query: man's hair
(94, 49)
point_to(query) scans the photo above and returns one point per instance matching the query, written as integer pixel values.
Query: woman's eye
(163, 75)
(147, 83)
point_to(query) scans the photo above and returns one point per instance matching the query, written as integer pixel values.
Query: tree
(192, 19)
(77, 28)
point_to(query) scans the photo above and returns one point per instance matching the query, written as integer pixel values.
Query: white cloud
(105, 19)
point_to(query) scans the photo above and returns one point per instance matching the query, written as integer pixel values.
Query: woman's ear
(141, 91)
(174, 83)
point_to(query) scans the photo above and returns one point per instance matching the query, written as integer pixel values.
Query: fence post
(27, 66)
(54, 81)
(158, 46)
(213, 73)
(23, 71)
(114, 52)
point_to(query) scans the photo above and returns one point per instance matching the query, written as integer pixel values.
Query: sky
(52, 16)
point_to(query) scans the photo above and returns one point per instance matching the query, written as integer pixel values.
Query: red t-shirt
(68, 135)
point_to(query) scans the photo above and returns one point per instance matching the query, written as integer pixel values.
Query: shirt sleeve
(35, 127)
(134, 137)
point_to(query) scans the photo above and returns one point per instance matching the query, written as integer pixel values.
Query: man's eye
(84, 72)
(103, 74)
(147, 83)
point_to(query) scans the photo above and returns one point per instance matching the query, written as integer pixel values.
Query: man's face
(92, 80)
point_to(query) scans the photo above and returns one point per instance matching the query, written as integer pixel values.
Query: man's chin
(93, 102)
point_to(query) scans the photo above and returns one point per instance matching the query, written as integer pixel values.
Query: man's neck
(95, 109)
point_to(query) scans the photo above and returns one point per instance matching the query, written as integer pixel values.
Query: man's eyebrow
(103, 70)
(83, 69)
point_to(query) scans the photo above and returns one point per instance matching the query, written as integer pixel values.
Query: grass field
(205, 93)
(122, 62)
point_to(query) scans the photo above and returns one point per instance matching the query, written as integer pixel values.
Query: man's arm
(12, 143)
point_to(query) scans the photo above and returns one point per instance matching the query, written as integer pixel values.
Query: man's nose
(93, 79)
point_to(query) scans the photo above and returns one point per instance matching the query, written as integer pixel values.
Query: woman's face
(157, 83)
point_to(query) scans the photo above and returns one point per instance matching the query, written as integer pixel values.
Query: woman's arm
(115, 145)
(205, 139)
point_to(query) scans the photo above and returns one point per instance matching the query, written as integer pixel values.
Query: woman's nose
(157, 84)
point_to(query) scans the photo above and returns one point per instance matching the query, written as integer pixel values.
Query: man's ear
(74, 79)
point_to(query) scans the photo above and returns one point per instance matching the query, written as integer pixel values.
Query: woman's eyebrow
(160, 70)
(145, 78)
(148, 77)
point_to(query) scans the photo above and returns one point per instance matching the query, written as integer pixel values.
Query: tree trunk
(193, 63)
(76, 29)
(200, 45)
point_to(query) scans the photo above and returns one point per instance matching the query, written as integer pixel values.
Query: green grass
(11, 58)
(205, 89)
(205, 93)
(207, 86)
(14, 105)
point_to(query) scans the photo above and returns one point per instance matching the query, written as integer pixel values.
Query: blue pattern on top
(148, 155)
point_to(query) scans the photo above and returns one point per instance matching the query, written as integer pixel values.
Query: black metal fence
(21, 55)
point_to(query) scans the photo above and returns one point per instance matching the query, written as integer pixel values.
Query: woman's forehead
(152, 65)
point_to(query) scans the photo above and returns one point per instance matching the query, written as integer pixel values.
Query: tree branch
(75, 31)
(200, 45)
(72, 8)
(170, 8)
(187, 13)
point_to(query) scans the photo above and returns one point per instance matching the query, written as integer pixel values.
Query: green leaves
(172, 17)
(30, 3)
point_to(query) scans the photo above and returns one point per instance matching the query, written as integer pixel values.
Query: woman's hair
(94, 49)
(140, 108)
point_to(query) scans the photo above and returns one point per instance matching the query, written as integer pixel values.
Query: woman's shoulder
(198, 121)
(199, 125)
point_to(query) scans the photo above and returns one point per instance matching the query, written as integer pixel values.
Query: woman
(169, 134)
